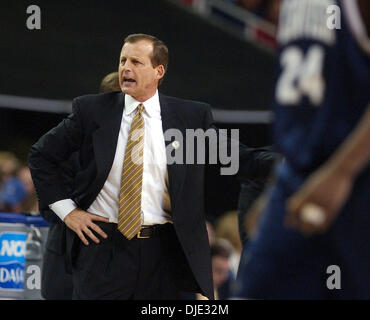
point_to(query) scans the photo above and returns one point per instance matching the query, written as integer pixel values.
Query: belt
(150, 231)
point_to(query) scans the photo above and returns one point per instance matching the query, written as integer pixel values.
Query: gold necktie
(129, 212)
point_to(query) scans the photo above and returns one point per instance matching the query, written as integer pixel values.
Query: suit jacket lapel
(176, 172)
(106, 136)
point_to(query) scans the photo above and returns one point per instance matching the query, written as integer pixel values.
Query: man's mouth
(127, 80)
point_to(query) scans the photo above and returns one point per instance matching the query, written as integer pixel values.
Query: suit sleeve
(47, 155)
(254, 163)
(68, 171)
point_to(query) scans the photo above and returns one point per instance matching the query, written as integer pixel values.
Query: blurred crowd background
(258, 18)
(17, 192)
(266, 9)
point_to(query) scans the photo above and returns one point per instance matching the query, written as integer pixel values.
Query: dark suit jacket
(93, 129)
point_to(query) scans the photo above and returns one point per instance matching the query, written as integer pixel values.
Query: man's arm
(47, 155)
(249, 193)
(68, 170)
(257, 163)
(45, 163)
(330, 186)
(254, 163)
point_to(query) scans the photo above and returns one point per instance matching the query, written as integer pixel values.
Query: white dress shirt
(155, 199)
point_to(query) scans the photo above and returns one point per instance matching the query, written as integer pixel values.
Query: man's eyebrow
(131, 58)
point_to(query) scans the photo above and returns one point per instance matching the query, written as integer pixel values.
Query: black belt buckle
(140, 236)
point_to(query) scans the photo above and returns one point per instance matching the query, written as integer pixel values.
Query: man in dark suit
(143, 213)
(56, 281)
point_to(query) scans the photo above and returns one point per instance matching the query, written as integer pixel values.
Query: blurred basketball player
(313, 241)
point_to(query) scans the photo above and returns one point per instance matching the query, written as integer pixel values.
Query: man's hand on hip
(82, 222)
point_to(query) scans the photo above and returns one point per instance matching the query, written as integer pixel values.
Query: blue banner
(12, 260)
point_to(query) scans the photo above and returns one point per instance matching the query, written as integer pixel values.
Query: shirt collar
(152, 106)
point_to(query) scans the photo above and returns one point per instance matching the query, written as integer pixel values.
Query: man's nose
(126, 66)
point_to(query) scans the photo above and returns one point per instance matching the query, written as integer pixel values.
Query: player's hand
(314, 207)
(82, 222)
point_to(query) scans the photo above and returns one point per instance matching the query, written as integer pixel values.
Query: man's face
(24, 175)
(137, 76)
(220, 270)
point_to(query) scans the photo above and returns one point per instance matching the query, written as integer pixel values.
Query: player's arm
(330, 185)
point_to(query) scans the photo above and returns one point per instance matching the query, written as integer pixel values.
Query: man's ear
(160, 71)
